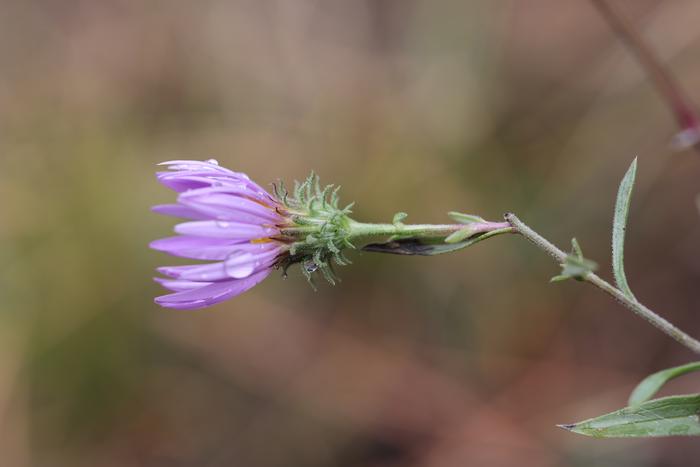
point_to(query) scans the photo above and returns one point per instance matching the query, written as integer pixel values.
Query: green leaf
(460, 235)
(428, 247)
(576, 248)
(398, 217)
(622, 206)
(464, 218)
(652, 383)
(575, 266)
(667, 416)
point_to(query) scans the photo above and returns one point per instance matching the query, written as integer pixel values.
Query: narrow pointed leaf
(460, 235)
(575, 267)
(622, 205)
(652, 383)
(464, 218)
(576, 248)
(425, 247)
(559, 278)
(668, 416)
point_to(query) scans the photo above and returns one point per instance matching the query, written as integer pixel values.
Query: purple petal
(225, 229)
(191, 165)
(219, 203)
(187, 175)
(195, 247)
(211, 272)
(180, 285)
(178, 210)
(211, 294)
(238, 264)
(183, 181)
(209, 248)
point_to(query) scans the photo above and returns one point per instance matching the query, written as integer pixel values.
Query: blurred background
(411, 105)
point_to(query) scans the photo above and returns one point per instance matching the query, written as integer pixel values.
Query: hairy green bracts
(319, 229)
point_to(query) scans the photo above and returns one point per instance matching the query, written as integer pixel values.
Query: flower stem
(362, 232)
(639, 309)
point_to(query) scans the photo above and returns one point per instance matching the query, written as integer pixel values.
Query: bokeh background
(411, 105)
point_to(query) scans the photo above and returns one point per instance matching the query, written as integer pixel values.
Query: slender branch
(665, 83)
(640, 310)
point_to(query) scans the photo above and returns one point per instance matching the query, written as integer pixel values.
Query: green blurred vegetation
(416, 106)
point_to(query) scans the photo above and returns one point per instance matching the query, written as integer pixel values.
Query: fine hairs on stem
(632, 304)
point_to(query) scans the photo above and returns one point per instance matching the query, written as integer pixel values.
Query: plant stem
(367, 232)
(661, 77)
(640, 310)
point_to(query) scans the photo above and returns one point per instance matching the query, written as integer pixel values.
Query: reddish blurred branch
(665, 83)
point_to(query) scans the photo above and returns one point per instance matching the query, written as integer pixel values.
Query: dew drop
(239, 264)
(212, 161)
(310, 266)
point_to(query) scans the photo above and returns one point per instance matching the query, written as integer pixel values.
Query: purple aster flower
(232, 221)
(245, 232)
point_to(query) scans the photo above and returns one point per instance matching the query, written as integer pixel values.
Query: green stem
(362, 232)
(640, 310)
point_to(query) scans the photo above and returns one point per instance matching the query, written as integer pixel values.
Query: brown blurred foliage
(414, 105)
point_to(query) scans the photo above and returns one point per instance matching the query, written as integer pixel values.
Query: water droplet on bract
(223, 224)
(239, 264)
(310, 266)
(212, 161)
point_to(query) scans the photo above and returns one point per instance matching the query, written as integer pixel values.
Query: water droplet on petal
(239, 264)
(212, 161)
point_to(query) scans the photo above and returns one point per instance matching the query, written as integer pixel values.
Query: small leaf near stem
(653, 383)
(576, 248)
(461, 234)
(464, 218)
(667, 416)
(575, 266)
(398, 218)
(622, 206)
(418, 246)
(630, 303)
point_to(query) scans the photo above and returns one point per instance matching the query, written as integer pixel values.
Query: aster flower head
(244, 231)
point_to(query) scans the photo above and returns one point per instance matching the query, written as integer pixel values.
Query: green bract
(320, 229)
